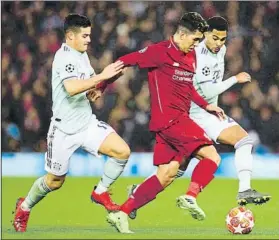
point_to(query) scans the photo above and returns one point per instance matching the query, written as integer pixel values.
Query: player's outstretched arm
(75, 86)
(103, 85)
(145, 58)
(211, 89)
(196, 98)
(149, 57)
(219, 112)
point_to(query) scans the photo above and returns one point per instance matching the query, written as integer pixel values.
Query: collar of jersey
(211, 53)
(74, 51)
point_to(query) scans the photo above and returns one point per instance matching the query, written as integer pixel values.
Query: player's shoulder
(201, 49)
(63, 53)
(161, 45)
(86, 57)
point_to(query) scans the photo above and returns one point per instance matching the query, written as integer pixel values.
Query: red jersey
(170, 78)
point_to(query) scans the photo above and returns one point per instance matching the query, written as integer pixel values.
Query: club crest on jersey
(206, 71)
(143, 50)
(70, 68)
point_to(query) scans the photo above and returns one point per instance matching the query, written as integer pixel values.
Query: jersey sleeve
(196, 98)
(68, 67)
(206, 81)
(147, 57)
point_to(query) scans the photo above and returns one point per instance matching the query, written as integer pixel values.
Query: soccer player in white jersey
(73, 125)
(209, 83)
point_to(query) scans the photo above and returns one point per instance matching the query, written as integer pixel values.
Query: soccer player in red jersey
(171, 67)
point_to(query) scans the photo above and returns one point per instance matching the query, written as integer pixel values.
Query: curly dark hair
(193, 21)
(218, 23)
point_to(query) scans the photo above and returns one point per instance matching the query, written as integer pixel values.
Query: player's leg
(210, 124)
(56, 164)
(236, 136)
(183, 167)
(100, 138)
(41, 187)
(119, 152)
(193, 142)
(202, 175)
(167, 161)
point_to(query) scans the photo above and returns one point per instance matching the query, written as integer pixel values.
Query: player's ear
(70, 35)
(182, 35)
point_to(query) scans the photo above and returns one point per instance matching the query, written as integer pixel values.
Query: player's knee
(166, 174)
(216, 158)
(165, 179)
(55, 183)
(247, 140)
(123, 152)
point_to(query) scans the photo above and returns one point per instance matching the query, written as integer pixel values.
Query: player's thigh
(100, 138)
(208, 152)
(212, 125)
(115, 146)
(232, 135)
(60, 147)
(164, 153)
(186, 136)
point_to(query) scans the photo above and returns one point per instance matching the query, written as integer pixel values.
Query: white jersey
(70, 113)
(209, 71)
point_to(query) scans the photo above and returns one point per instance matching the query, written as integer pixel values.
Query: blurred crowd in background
(33, 31)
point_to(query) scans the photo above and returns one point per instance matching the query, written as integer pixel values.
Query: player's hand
(112, 70)
(118, 75)
(94, 94)
(243, 77)
(216, 110)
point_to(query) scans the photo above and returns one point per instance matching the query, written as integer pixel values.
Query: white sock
(37, 192)
(180, 173)
(243, 163)
(112, 170)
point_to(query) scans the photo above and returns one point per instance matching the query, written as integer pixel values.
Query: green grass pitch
(69, 213)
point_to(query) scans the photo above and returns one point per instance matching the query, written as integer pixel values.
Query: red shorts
(180, 139)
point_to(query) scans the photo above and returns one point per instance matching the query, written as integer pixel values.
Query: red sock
(201, 176)
(145, 193)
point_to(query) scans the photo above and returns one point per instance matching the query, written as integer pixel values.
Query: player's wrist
(207, 107)
(232, 80)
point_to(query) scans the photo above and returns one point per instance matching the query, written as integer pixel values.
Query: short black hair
(218, 23)
(193, 21)
(75, 21)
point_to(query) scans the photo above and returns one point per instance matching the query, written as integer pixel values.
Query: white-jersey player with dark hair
(209, 83)
(73, 125)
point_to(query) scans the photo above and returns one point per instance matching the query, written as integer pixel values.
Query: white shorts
(61, 146)
(211, 124)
